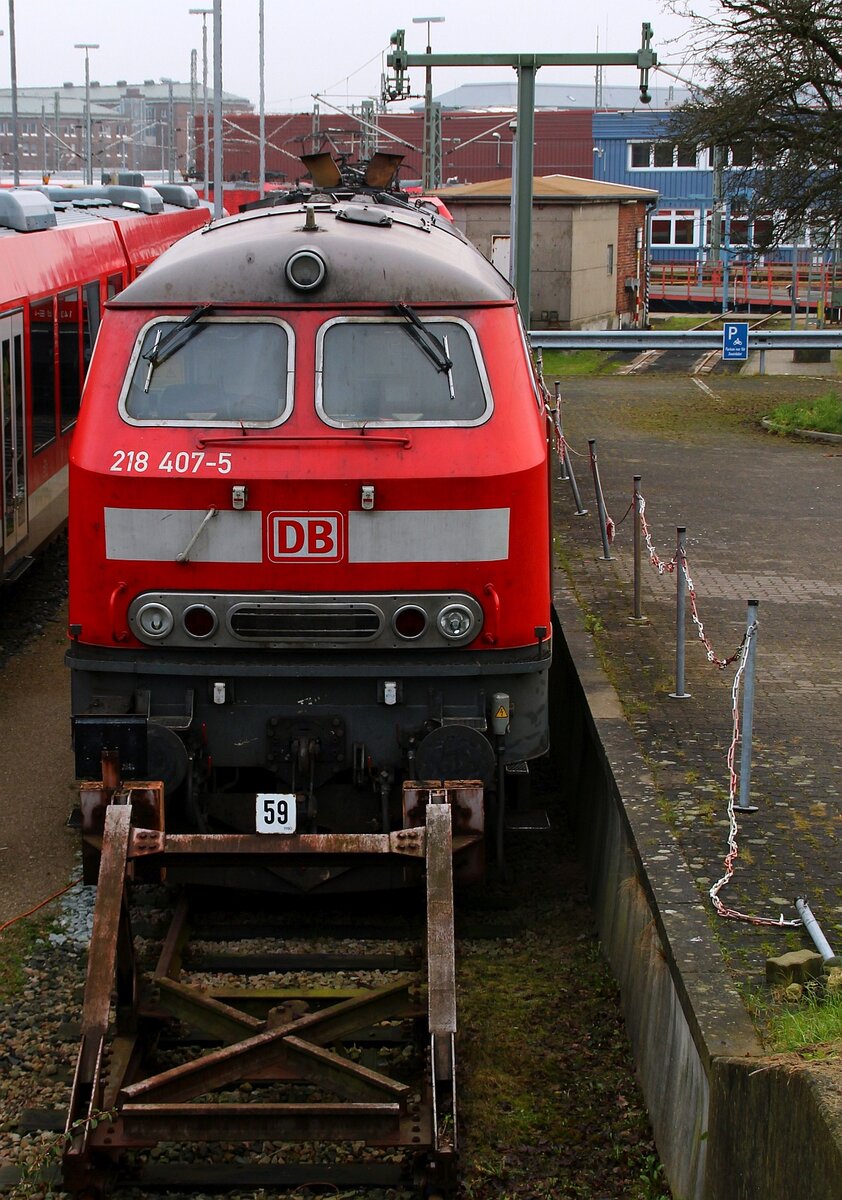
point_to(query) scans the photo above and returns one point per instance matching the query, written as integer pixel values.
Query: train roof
(375, 250)
(48, 243)
(32, 210)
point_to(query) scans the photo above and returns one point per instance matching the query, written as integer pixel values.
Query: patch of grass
(688, 321)
(668, 810)
(579, 362)
(810, 1028)
(16, 945)
(823, 415)
(544, 1111)
(813, 1028)
(593, 623)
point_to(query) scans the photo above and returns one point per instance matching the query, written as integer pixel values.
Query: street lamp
(89, 149)
(171, 133)
(204, 13)
(13, 65)
(218, 135)
(428, 166)
(262, 118)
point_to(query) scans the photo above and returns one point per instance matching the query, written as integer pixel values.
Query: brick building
(144, 126)
(588, 246)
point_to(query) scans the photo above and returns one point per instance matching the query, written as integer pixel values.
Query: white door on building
(501, 244)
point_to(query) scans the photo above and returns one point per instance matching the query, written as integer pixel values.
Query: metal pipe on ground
(814, 929)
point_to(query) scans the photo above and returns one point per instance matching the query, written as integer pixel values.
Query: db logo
(294, 537)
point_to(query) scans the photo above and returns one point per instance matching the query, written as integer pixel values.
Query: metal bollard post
(566, 471)
(562, 466)
(680, 607)
(638, 617)
(600, 501)
(748, 710)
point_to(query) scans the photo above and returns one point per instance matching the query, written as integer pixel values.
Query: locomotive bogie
(236, 710)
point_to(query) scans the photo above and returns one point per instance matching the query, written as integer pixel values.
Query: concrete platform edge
(730, 1123)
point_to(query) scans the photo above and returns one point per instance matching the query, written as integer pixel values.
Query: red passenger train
(63, 253)
(309, 524)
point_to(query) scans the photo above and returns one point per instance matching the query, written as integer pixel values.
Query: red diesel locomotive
(309, 523)
(63, 253)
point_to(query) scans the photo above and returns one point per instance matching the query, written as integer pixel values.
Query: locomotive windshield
(227, 372)
(375, 370)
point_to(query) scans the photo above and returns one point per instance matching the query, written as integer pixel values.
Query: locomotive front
(309, 528)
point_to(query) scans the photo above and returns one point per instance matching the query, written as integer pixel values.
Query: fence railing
(682, 339)
(771, 284)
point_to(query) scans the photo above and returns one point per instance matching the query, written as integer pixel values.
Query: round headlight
(199, 620)
(155, 620)
(456, 621)
(305, 270)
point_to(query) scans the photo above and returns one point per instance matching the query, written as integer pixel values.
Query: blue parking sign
(735, 340)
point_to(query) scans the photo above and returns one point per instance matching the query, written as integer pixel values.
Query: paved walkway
(764, 522)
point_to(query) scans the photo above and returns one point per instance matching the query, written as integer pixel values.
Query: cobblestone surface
(764, 522)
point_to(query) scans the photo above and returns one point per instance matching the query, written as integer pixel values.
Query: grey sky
(332, 47)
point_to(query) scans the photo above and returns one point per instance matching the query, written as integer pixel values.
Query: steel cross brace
(113, 1109)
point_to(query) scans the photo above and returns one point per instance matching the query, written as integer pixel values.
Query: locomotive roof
(375, 251)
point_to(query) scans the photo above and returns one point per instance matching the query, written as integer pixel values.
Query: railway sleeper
(121, 1099)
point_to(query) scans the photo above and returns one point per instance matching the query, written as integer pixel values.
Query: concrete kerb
(722, 1113)
(780, 362)
(810, 435)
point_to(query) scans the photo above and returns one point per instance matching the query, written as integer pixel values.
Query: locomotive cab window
(405, 370)
(210, 371)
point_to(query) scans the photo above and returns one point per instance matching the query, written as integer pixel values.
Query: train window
(394, 372)
(42, 368)
(7, 408)
(211, 372)
(20, 410)
(114, 284)
(90, 319)
(69, 362)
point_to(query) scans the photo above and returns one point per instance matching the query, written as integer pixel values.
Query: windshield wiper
(436, 349)
(167, 345)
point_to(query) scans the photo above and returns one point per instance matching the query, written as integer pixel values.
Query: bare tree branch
(773, 81)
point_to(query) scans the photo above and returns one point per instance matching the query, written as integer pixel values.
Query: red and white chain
(733, 828)
(656, 562)
(670, 567)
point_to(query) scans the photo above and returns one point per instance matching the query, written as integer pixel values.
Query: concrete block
(799, 966)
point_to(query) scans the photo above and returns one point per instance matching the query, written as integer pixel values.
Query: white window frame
(652, 143)
(674, 215)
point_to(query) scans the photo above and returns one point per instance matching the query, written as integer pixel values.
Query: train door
(13, 432)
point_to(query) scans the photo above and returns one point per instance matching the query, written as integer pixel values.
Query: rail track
(689, 361)
(538, 1027)
(537, 1011)
(247, 1065)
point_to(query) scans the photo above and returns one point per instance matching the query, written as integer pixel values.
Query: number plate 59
(275, 812)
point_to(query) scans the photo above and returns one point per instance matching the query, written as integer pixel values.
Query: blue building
(633, 147)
